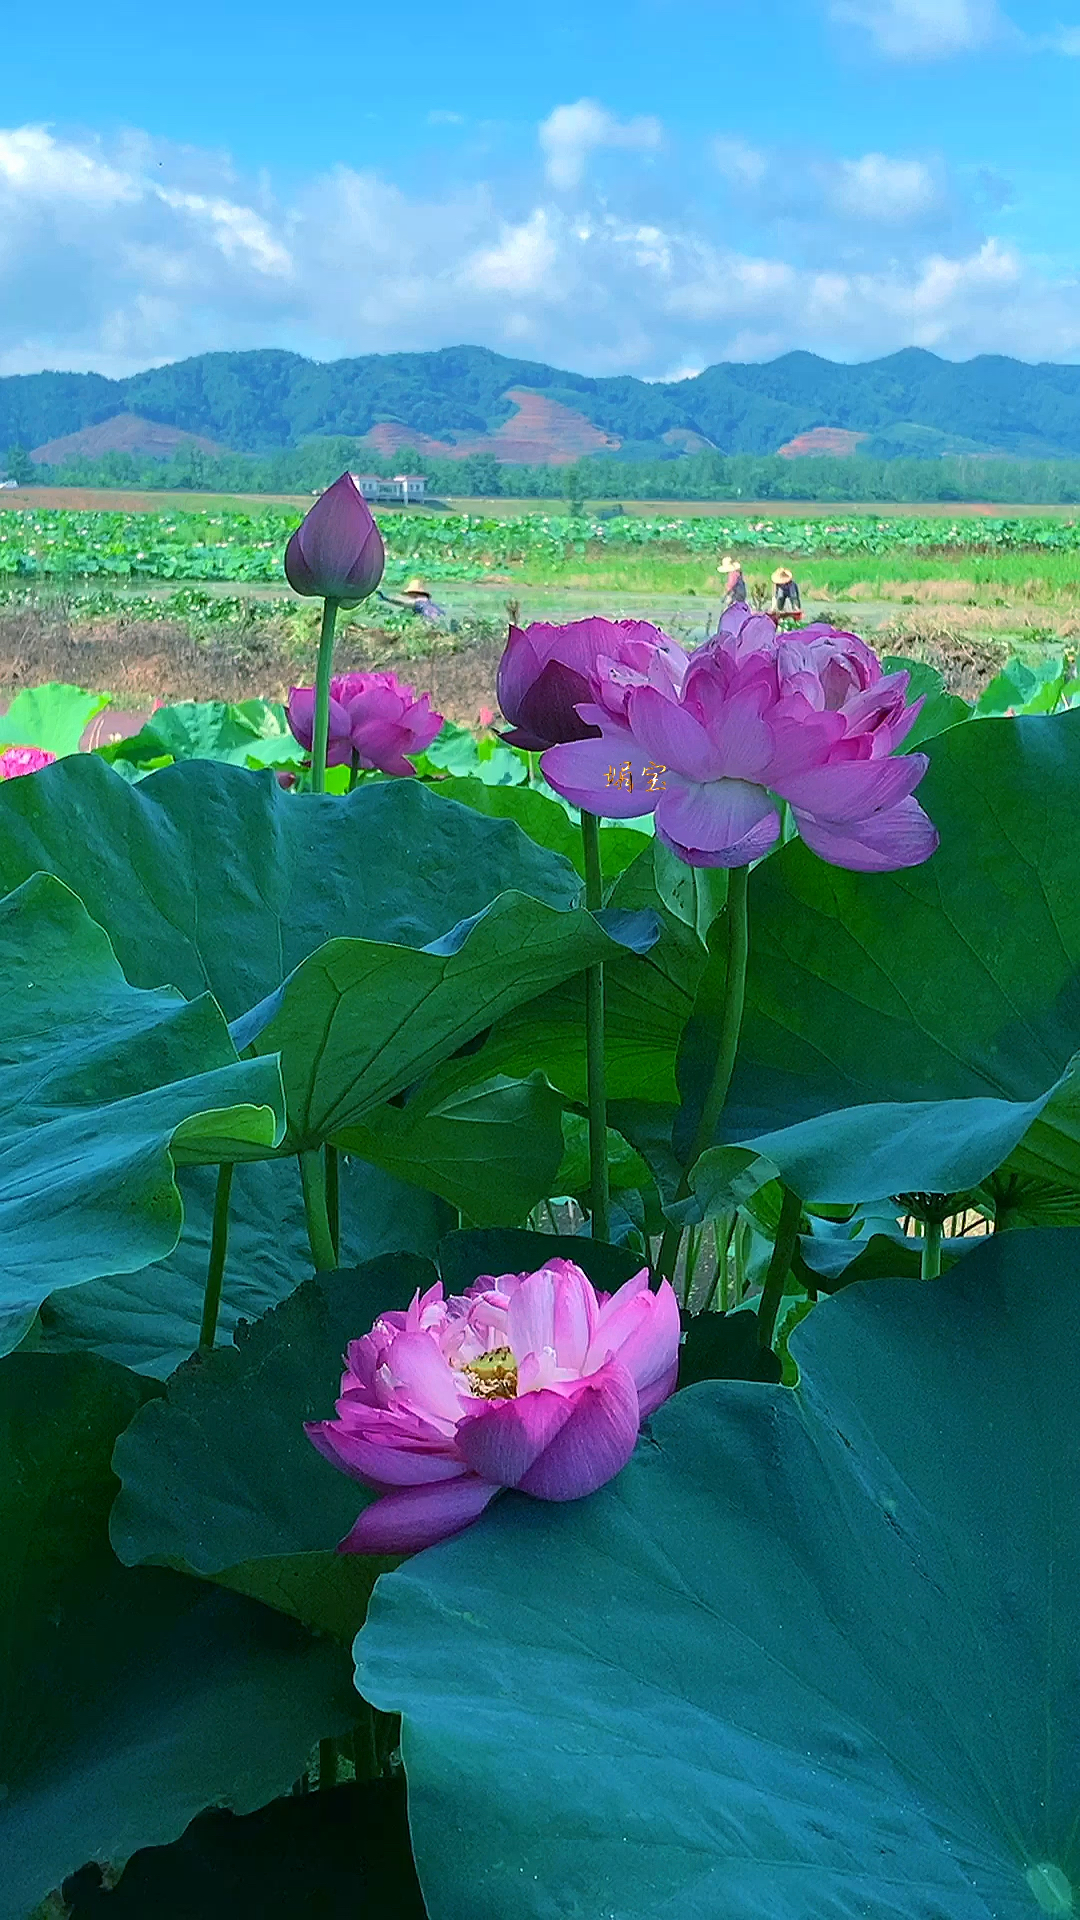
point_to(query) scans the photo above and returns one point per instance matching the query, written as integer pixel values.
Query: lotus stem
(322, 695)
(328, 1764)
(599, 1197)
(723, 1228)
(738, 927)
(333, 1198)
(365, 1751)
(354, 770)
(779, 1267)
(313, 1181)
(215, 1266)
(931, 1249)
(693, 1250)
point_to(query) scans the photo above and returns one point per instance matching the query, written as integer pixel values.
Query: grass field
(109, 499)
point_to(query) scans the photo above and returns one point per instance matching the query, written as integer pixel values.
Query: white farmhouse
(406, 488)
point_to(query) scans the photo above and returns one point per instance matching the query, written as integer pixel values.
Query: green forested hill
(258, 401)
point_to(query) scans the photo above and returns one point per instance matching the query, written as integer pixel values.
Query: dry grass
(967, 665)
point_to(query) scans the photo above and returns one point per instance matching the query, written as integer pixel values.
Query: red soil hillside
(124, 433)
(837, 440)
(542, 431)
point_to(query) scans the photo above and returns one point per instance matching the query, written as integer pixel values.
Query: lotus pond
(734, 1203)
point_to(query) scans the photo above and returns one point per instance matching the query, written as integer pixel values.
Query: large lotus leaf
(491, 1150)
(307, 1856)
(128, 1700)
(150, 1320)
(218, 1476)
(547, 822)
(210, 730)
(361, 1020)
(210, 876)
(815, 1652)
(464, 1256)
(925, 1146)
(647, 997)
(957, 978)
(99, 1080)
(54, 717)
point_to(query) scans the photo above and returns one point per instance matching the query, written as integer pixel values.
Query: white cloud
(877, 188)
(820, 193)
(1066, 40)
(739, 162)
(923, 29)
(571, 133)
(112, 261)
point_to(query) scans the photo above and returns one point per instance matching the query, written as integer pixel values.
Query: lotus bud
(337, 550)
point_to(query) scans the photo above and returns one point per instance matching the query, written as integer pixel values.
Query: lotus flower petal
(594, 1443)
(725, 824)
(15, 761)
(900, 836)
(548, 672)
(580, 772)
(419, 1516)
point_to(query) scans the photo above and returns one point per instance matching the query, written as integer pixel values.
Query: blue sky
(638, 186)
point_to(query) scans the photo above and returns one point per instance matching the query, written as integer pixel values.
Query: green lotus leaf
(128, 1700)
(149, 1320)
(102, 1087)
(815, 1651)
(219, 1478)
(954, 980)
(360, 1020)
(209, 876)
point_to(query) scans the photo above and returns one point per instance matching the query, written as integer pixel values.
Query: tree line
(701, 476)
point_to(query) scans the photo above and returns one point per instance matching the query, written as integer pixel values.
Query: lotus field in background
(247, 545)
(540, 1281)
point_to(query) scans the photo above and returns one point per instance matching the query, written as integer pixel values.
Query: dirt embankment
(141, 661)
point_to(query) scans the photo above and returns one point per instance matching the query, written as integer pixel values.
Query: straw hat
(782, 576)
(727, 561)
(417, 586)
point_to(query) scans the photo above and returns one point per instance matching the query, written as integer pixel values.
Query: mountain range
(467, 400)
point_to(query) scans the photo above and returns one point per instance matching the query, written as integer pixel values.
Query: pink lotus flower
(811, 719)
(546, 671)
(16, 760)
(530, 1380)
(371, 714)
(337, 550)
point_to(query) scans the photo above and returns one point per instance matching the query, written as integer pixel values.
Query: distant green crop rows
(60, 543)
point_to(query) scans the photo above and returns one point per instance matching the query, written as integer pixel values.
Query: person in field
(415, 598)
(786, 602)
(734, 583)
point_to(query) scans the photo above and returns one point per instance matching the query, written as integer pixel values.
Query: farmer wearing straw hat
(786, 603)
(415, 598)
(734, 584)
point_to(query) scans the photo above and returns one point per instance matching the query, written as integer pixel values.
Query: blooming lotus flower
(373, 715)
(811, 719)
(337, 550)
(546, 671)
(528, 1380)
(834, 671)
(16, 760)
